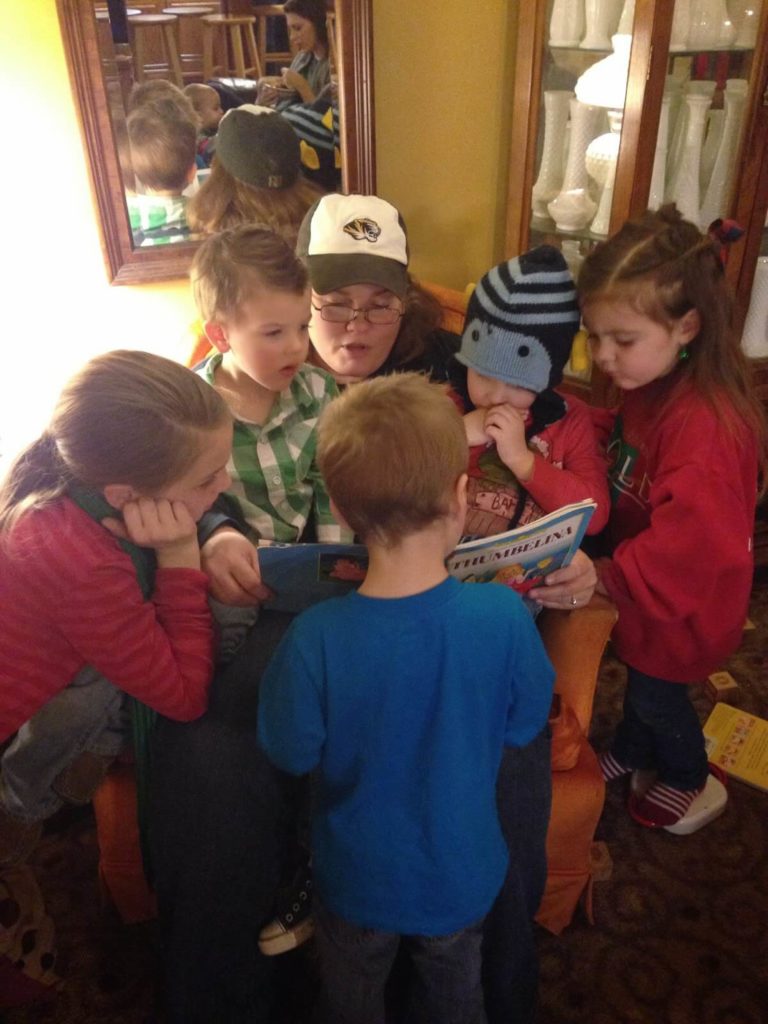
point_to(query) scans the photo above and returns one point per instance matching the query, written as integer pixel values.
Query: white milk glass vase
(718, 193)
(627, 19)
(710, 25)
(659, 172)
(745, 14)
(684, 189)
(681, 24)
(550, 177)
(566, 23)
(754, 339)
(573, 207)
(600, 17)
(602, 154)
(709, 150)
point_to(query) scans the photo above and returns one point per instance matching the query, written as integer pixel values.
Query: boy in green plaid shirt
(253, 298)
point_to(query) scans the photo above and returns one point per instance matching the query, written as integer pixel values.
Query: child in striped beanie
(532, 450)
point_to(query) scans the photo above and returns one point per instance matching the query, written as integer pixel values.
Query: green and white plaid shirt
(158, 220)
(275, 479)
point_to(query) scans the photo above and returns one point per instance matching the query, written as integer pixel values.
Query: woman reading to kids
(369, 317)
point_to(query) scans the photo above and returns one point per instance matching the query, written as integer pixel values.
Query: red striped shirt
(69, 597)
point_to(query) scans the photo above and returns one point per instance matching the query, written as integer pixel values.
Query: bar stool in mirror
(189, 37)
(238, 34)
(141, 27)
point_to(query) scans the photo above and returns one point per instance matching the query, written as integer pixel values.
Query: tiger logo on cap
(363, 228)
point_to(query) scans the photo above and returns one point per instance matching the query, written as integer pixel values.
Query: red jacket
(69, 597)
(684, 491)
(568, 467)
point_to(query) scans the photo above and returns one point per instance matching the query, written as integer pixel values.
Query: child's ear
(118, 494)
(688, 326)
(216, 333)
(461, 494)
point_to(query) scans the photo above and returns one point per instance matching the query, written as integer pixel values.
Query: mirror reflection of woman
(310, 72)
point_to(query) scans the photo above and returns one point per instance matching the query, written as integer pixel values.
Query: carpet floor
(680, 933)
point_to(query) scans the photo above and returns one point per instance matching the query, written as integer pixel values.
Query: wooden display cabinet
(540, 66)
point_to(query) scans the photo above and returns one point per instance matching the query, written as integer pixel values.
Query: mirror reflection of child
(207, 103)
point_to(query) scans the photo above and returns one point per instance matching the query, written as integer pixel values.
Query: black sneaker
(293, 923)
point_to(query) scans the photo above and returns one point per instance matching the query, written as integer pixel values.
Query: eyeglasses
(336, 313)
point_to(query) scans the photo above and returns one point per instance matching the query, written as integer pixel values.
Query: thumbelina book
(302, 574)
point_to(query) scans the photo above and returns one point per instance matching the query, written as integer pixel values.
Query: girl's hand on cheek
(506, 426)
(164, 525)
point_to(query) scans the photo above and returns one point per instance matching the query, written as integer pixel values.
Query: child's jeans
(661, 731)
(355, 963)
(234, 624)
(86, 715)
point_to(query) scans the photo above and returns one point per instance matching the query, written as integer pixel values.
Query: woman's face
(301, 32)
(355, 350)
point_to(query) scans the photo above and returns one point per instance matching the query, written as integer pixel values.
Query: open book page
(737, 741)
(301, 574)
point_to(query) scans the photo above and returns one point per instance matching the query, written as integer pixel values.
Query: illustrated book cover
(737, 741)
(302, 574)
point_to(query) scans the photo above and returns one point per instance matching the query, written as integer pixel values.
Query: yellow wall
(443, 79)
(58, 308)
(442, 82)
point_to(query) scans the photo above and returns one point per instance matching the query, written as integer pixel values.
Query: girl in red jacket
(684, 450)
(100, 584)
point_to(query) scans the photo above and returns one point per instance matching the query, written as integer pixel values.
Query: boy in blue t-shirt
(402, 695)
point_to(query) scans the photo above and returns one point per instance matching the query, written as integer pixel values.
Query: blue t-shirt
(404, 706)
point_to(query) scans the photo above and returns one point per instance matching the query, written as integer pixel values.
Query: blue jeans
(220, 812)
(88, 714)
(661, 731)
(355, 963)
(510, 960)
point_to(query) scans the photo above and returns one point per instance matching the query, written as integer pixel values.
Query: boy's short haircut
(197, 94)
(390, 450)
(163, 144)
(231, 265)
(161, 91)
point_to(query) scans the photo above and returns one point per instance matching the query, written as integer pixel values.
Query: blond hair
(160, 91)
(664, 267)
(163, 143)
(229, 266)
(390, 450)
(223, 201)
(126, 417)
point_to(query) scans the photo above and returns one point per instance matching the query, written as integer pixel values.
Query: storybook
(737, 742)
(302, 574)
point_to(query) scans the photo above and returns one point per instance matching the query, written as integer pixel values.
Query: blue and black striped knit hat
(521, 320)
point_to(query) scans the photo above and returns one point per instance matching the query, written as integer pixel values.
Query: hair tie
(723, 233)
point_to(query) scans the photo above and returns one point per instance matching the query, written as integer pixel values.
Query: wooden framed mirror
(127, 264)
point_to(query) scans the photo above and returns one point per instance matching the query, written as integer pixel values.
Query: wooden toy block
(720, 686)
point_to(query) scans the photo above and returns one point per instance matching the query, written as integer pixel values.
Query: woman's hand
(296, 81)
(505, 425)
(231, 563)
(166, 526)
(571, 587)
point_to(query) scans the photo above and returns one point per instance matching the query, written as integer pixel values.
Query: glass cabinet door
(623, 105)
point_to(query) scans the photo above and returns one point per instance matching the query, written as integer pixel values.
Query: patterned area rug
(680, 933)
